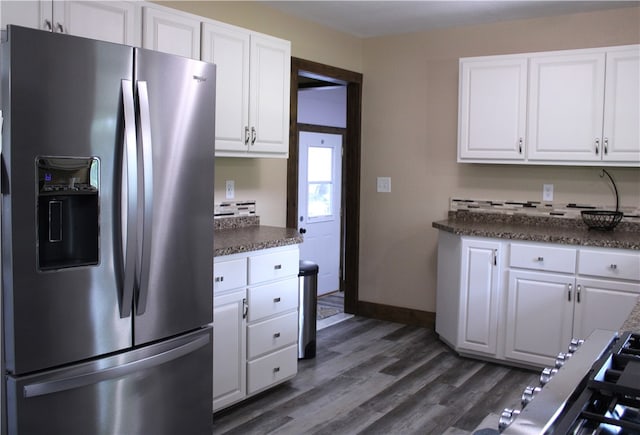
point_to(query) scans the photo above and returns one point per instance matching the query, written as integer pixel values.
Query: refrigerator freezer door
(176, 98)
(62, 97)
(158, 389)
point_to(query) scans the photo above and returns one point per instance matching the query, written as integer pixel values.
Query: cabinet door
(228, 48)
(479, 296)
(492, 109)
(229, 349)
(110, 21)
(621, 136)
(566, 98)
(34, 14)
(539, 316)
(602, 304)
(170, 32)
(269, 95)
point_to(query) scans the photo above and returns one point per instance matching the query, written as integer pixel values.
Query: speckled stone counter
(539, 229)
(244, 234)
(633, 321)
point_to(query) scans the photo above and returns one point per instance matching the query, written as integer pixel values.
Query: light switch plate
(384, 184)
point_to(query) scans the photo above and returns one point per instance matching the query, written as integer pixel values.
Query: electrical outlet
(230, 189)
(547, 192)
(384, 184)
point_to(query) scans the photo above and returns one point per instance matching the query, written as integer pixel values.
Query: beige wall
(409, 133)
(265, 179)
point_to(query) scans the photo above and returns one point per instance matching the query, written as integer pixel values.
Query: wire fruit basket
(603, 220)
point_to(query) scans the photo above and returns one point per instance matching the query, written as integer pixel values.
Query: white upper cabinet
(571, 107)
(111, 21)
(565, 107)
(228, 47)
(34, 14)
(492, 109)
(170, 31)
(253, 86)
(621, 132)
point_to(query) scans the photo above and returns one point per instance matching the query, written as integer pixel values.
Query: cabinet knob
(47, 25)
(597, 146)
(606, 146)
(540, 259)
(276, 300)
(276, 335)
(219, 278)
(520, 146)
(613, 266)
(276, 369)
(277, 266)
(254, 135)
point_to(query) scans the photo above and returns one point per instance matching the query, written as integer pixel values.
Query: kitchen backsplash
(234, 208)
(536, 208)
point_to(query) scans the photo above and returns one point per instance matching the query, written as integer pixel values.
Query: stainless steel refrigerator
(107, 237)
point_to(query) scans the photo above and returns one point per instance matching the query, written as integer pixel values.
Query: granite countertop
(244, 234)
(633, 321)
(538, 229)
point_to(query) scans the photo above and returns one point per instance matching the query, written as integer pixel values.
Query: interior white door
(319, 203)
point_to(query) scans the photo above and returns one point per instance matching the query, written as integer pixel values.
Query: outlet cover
(547, 192)
(230, 189)
(384, 184)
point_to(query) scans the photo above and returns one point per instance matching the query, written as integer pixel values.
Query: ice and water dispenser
(68, 212)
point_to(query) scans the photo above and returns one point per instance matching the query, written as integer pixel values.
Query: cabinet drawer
(540, 257)
(267, 336)
(230, 274)
(271, 369)
(276, 265)
(607, 264)
(275, 298)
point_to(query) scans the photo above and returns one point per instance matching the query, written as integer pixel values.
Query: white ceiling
(378, 18)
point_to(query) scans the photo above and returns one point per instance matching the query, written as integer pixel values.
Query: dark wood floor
(376, 377)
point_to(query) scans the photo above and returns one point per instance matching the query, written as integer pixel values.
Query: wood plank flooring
(375, 377)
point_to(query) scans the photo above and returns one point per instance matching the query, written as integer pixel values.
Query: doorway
(319, 202)
(301, 70)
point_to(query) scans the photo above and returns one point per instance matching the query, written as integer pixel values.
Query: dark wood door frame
(351, 166)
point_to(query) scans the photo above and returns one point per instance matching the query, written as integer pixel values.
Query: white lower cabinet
(539, 316)
(546, 309)
(255, 322)
(468, 294)
(526, 310)
(230, 350)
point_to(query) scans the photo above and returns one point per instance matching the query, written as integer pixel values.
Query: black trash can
(308, 291)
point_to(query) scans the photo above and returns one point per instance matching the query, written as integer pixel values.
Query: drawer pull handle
(276, 335)
(276, 300)
(569, 292)
(277, 266)
(613, 266)
(276, 369)
(540, 259)
(219, 278)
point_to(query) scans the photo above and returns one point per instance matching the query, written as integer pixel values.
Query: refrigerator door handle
(147, 190)
(118, 371)
(129, 233)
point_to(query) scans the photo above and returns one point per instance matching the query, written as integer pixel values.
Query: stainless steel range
(594, 388)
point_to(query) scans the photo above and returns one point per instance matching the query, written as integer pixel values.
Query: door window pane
(320, 187)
